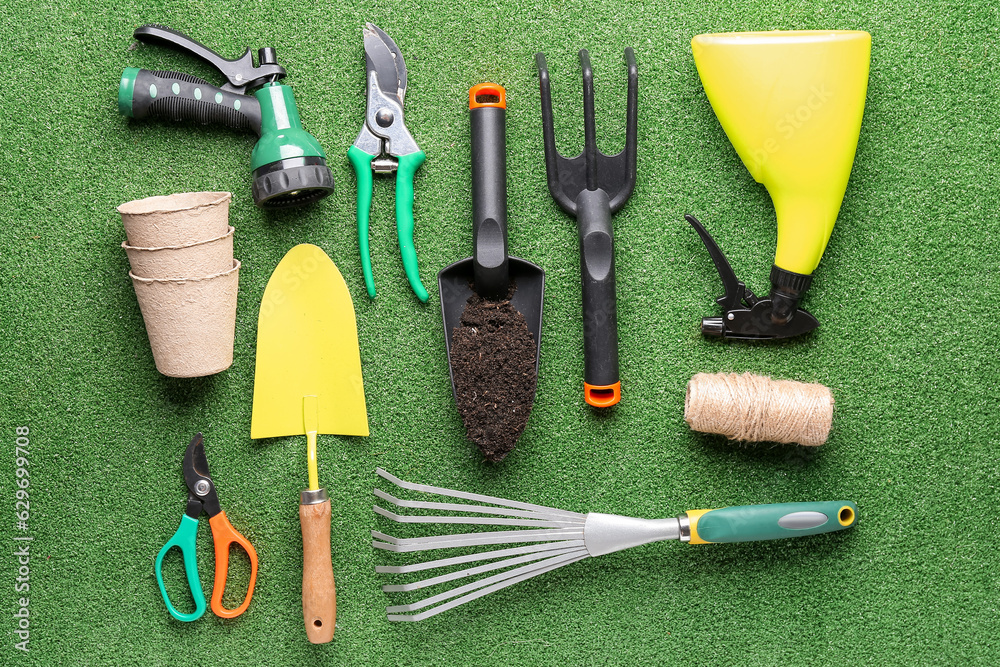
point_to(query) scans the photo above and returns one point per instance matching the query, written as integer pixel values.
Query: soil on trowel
(493, 365)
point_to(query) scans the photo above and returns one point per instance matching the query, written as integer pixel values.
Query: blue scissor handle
(183, 539)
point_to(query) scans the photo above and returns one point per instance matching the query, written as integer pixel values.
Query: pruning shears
(384, 146)
(202, 497)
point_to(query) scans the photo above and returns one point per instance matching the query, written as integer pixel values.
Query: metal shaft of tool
(310, 418)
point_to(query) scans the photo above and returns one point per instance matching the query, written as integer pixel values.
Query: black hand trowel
(494, 421)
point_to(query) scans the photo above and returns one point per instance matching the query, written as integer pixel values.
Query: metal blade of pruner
(383, 57)
(198, 477)
(386, 85)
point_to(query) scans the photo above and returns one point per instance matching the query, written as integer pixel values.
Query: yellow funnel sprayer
(791, 104)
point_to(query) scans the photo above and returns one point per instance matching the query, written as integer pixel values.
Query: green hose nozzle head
(289, 165)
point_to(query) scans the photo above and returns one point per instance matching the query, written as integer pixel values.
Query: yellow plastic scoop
(791, 104)
(308, 381)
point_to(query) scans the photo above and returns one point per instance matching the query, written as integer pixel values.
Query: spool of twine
(758, 409)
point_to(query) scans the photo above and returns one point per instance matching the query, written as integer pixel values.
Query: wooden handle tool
(319, 597)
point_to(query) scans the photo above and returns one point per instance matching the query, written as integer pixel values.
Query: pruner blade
(383, 57)
(198, 478)
(384, 134)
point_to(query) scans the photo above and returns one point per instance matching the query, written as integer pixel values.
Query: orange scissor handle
(224, 535)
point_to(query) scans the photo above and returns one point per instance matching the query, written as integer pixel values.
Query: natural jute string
(759, 409)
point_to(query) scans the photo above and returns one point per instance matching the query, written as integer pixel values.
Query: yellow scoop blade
(791, 104)
(307, 346)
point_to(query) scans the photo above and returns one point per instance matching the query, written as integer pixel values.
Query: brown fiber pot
(197, 259)
(176, 220)
(191, 322)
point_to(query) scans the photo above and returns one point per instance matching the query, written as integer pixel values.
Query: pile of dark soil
(493, 365)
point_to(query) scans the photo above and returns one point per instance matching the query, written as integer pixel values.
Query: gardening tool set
(791, 103)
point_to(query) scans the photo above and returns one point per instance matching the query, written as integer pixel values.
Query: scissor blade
(384, 58)
(196, 471)
(195, 462)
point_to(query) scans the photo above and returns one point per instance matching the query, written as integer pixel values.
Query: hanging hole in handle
(318, 623)
(487, 95)
(845, 516)
(602, 396)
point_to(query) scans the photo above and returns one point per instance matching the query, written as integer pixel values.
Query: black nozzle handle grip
(178, 96)
(490, 266)
(602, 386)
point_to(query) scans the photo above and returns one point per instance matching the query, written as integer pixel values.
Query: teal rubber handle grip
(183, 539)
(408, 165)
(362, 163)
(750, 523)
(178, 96)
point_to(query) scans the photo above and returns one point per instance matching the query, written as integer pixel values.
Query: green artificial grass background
(906, 295)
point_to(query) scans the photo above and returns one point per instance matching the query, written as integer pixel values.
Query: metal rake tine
(475, 520)
(471, 558)
(452, 493)
(463, 507)
(484, 586)
(409, 544)
(471, 571)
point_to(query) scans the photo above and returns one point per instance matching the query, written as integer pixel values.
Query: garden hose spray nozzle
(288, 164)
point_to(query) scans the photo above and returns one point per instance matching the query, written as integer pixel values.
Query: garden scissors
(202, 496)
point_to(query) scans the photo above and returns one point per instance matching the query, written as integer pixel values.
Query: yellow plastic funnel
(791, 104)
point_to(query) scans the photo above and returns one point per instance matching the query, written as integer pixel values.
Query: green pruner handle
(362, 163)
(408, 165)
(183, 539)
(752, 523)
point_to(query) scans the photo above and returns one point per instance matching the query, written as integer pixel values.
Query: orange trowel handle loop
(483, 94)
(224, 535)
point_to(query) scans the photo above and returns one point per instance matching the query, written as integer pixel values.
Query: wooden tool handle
(319, 597)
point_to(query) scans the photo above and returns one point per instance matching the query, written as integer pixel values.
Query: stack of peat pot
(180, 248)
